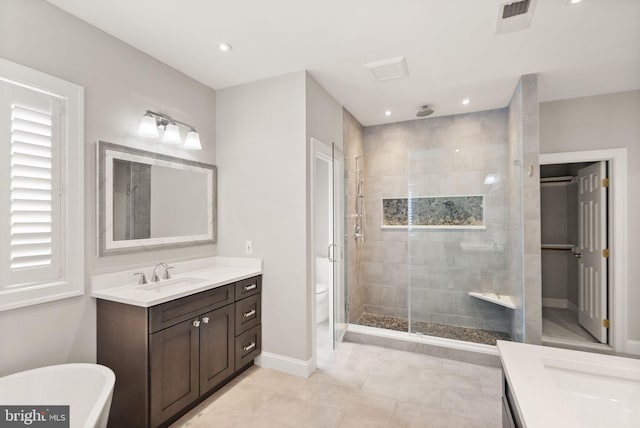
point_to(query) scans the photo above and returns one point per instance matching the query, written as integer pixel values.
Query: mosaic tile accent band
(436, 211)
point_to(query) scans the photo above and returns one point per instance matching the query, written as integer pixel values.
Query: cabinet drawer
(171, 313)
(248, 313)
(248, 287)
(248, 346)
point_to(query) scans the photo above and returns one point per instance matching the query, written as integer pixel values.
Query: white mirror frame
(105, 154)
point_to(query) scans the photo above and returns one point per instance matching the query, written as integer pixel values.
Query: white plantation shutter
(41, 187)
(35, 218)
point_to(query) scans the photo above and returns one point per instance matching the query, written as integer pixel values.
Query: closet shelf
(502, 300)
(568, 247)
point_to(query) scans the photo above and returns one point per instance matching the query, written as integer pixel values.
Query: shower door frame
(325, 152)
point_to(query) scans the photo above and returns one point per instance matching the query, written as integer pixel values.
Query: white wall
(120, 84)
(603, 122)
(261, 174)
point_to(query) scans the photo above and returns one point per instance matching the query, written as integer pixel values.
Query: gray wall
(353, 147)
(120, 84)
(603, 122)
(559, 220)
(261, 170)
(444, 156)
(263, 151)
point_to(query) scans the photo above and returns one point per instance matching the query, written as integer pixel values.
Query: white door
(592, 241)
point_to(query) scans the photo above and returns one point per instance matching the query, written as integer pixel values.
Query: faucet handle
(143, 279)
(167, 275)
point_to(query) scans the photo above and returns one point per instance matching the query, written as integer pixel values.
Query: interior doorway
(328, 219)
(583, 235)
(574, 232)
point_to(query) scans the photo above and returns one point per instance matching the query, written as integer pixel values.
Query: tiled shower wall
(435, 269)
(353, 140)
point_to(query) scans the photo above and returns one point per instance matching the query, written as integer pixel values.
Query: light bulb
(171, 134)
(192, 142)
(148, 127)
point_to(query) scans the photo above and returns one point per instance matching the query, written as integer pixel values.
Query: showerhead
(424, 111)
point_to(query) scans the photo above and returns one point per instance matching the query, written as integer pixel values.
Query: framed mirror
(149, 201)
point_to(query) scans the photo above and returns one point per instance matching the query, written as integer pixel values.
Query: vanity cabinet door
(174, 374)
(216, 347)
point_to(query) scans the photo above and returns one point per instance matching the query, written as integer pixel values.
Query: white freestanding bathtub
(86, 388)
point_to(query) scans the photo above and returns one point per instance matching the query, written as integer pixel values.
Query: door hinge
(605, 182)
(605, 253)
(605, 323)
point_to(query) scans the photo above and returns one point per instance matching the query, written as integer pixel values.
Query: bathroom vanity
(551, 387)
(175, 342)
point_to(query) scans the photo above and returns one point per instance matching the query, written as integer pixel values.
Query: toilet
(322, 289)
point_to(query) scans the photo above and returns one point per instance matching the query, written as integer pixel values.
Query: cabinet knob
(250, 287)
(205, 320)
(251, 313)
(196, 323)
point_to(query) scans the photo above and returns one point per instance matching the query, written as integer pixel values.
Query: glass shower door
(337, 256)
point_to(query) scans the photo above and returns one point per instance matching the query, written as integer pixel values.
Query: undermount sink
(601, 398)
(163, 283)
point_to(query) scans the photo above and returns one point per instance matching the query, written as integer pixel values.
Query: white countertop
(556, 387)
(187, 278)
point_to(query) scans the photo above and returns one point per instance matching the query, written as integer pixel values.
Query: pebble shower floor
(486, 337)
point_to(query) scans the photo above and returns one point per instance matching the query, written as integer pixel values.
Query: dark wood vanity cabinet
(169, 357)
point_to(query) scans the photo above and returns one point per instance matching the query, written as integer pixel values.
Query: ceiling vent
(514, 15)
(515, 9)
(388, 69)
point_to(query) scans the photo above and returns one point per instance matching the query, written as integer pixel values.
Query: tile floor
(359, 386)
(563, 324)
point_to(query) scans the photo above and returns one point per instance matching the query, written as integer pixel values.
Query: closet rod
(558, 247)
(563, 179)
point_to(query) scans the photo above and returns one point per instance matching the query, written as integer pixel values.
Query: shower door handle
(331, 255)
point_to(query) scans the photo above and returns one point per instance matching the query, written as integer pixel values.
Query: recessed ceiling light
(387, 113)
(575, 1)
(225, 47)
(466, 101)
(457, 150)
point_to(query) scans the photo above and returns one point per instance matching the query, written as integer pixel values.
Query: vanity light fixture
(192, 141)
(152, 122)
(466, 101)
(575, 1)
(148, 127)
(171, 134)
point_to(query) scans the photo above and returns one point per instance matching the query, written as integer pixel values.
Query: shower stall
(435, 226)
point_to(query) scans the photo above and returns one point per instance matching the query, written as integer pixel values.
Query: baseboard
(549, 302)
(633, 347)
(285, 364)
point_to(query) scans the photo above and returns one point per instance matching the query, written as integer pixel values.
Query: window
(41, 188)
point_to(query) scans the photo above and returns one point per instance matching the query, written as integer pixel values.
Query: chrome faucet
(154, 277)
